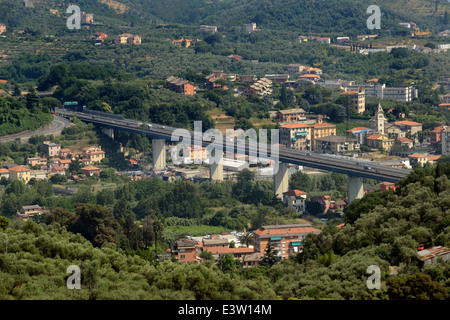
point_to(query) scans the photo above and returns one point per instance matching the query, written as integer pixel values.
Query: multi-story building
(296, 136)
(294, 68)
(180, 85)
(418, 159)
(260, 88)
(51, 149)
(286, 240)
(280, 78)
(358, 133)
(291, 115)
(379, 141)
(405, 94)
(92, 155)
(409, 126)
(212, 29)
(335, 144)
(27, 212)
(90, 171)
(295, 199)
(320, 130)
(19, 173)
(357, 100)
(37, 161)
(185, 250)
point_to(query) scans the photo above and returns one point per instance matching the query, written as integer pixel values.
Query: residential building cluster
(56, 160)
(286, 240)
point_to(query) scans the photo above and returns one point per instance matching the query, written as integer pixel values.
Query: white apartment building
(381, 91)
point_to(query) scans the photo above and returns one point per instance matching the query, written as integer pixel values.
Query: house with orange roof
(379, 141)
(387, 185)
(295, 199)
(4, 173)
(418, 159)
(324, 40)
(409, 126)
(436, 135)
(320, 130)
(92, 155)
(404, 142)
(286, 240)
(57, 170)
(296, 136)
(313, 77)
(90, 171)
(65, 152)
(186, 250)
(19, 173)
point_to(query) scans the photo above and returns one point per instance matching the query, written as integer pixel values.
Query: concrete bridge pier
(216, 170)
(355, 188)
(109, 132)
(159, 154)
(281, 180)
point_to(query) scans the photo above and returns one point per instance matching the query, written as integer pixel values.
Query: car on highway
(367, 167)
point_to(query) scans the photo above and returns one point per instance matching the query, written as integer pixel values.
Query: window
(182, 257)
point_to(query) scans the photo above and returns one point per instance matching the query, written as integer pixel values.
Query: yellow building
(19, 173)
(320, 130)
(379, 141)
(92, 155)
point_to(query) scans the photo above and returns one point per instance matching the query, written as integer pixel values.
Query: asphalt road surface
(55, 127)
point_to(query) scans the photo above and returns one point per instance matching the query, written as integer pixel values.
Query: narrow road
(55, 127)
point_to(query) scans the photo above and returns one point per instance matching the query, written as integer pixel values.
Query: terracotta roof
(416, 155)
(408, 123)
(90, 168)
(19, 169)
(404, 140)
(224, 250)
(433, 252)
(374, 136)
(324, 124)
(434, 158)
(309, 76)
(3, 170)
(264, 231)
(294, 126)
(349, 92)
(294, 192)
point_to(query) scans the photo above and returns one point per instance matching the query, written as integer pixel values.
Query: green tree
(269, 258)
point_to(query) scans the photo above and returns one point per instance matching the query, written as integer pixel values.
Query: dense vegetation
(24, 113)
(383, 229)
